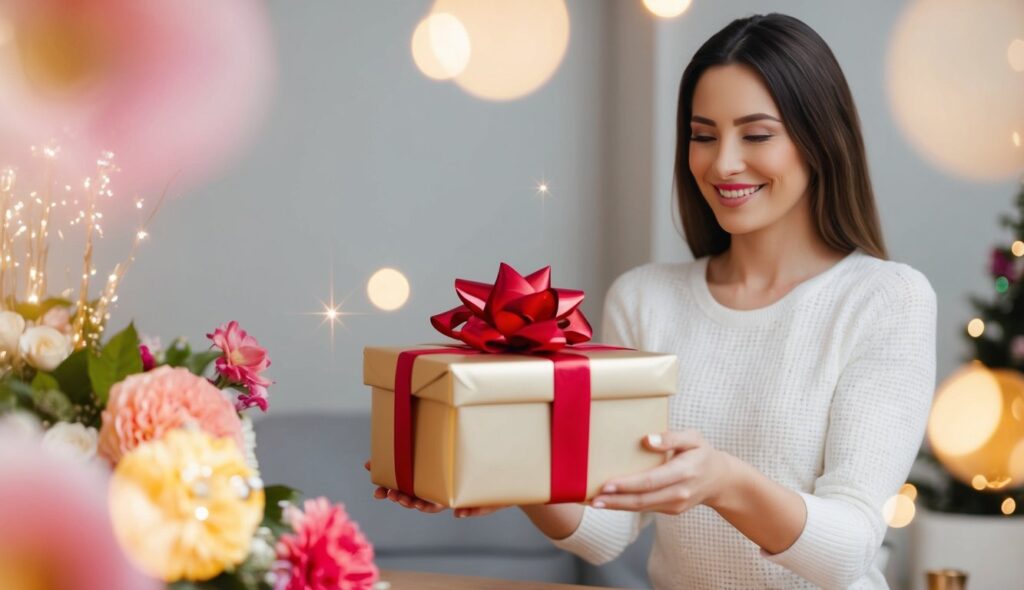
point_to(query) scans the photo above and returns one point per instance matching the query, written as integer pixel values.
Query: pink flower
(244, 359)
(55, 529)
(148, 362)
(173, 89)
(256, 396)
(145, 406)
(327, 551)
(58, 318)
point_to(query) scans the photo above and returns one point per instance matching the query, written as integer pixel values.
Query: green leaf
(73, 378)
(178, 354)
(53, 403)
(34, 311)
(119, 358)
(44, 381)
(273, 511)
(198, 362)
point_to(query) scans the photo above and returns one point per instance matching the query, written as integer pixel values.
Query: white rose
(72, 440)
(44, 347)
(11, 327)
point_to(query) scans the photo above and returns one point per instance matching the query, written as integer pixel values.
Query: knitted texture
(826, 391)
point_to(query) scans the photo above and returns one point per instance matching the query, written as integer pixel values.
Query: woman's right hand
(414, 503)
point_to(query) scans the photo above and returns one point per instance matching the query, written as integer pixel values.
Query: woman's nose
(729, 160)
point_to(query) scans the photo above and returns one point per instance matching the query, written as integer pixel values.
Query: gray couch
(323, 454)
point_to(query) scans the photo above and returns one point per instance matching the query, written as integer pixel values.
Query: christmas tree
(995, 338)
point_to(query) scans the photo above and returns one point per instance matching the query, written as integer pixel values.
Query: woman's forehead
(724, 93)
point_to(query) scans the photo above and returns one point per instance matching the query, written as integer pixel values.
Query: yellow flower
(185, 506)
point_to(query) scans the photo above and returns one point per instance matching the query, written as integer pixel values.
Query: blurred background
(332, 166)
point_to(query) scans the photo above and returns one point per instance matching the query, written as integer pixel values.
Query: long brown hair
(809, 88)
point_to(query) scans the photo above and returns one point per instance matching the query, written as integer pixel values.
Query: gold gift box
(481, 423)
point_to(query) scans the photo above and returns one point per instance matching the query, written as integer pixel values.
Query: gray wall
(366, 163)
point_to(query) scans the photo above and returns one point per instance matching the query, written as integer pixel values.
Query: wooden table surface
(401, 580)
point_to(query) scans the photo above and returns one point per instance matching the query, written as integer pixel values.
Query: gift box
(513, 429)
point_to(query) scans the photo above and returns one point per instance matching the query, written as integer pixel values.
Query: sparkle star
(332, 312)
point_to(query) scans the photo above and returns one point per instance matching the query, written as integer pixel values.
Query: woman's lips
(739, 197)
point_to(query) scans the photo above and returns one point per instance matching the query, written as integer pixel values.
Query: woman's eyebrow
(739, 121)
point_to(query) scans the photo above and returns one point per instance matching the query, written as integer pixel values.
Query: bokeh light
(898, 511)
(516, 46)
(1015, 55)
(667, 8)
(972, 428)
(388, 289)
(1002, 284)
(440, 46)
(1009, 506)
(909, 490)
(1017, 248)
(949, 88)
(976, 327)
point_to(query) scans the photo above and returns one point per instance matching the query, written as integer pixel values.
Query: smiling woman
(806, 359)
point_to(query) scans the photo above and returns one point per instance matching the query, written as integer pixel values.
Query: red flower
(327, 551)
(515, 314)
(148, 362)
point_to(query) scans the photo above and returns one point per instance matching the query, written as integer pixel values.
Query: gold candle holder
(946, 579)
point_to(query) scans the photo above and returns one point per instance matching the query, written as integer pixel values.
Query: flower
(44, 347)
(55, 531)
(11, 327)
(58, 318)
(256, 396)
(145, 406)
(185, 506)
(327, 551)
(73, 440)
(148, 362)
(119, 74)
(244, 359)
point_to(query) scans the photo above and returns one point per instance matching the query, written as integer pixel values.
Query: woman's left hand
(696, 473)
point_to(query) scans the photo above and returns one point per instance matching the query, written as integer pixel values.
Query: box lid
(465, 380)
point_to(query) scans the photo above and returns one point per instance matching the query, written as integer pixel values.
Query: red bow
(515, 314)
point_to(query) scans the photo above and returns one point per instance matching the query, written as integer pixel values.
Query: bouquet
(123, 463)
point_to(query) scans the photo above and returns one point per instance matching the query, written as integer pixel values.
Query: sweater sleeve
(603, 535)
(876, 423)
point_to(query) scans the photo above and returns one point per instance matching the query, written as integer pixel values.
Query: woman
(807, 360)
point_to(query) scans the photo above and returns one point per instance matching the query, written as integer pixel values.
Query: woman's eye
(758, 138)
(701, 138)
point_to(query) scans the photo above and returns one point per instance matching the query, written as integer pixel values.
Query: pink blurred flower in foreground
(327, 551)
(145, 406)
(256, 396)
(168, 87)
(55, 531)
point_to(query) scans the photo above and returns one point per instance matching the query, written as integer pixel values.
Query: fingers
(648, 481)
(407, 501)
(682, 440)
(470, 512)
(670, 500)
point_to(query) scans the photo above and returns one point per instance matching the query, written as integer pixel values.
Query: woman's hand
(696, 473)
(414, 503)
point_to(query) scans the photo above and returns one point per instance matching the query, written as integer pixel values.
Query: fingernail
(598, 504)
(608, 489)
(654, 440)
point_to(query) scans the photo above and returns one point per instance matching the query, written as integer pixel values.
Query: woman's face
(747, 167)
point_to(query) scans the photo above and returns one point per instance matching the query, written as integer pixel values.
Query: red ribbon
(515, 314)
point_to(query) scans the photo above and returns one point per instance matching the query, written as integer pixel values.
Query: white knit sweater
(826, 391)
